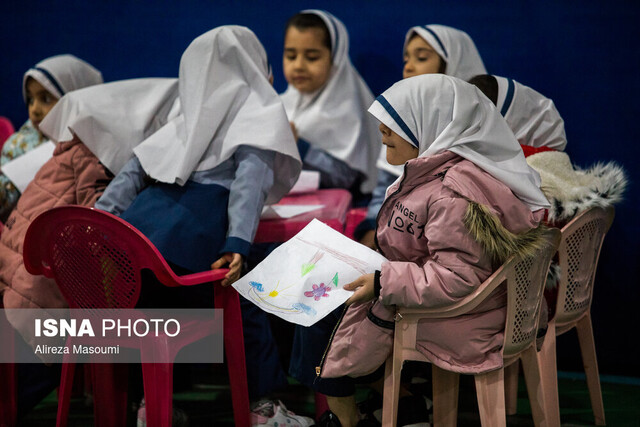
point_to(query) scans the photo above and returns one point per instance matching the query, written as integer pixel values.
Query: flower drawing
(318, 292)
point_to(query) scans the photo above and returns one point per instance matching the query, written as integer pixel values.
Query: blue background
(584, 55)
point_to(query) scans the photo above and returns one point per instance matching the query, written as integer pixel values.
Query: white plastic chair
(524, 279)
(578, 257)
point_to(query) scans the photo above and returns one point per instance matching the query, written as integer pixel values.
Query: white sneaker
(268, 413)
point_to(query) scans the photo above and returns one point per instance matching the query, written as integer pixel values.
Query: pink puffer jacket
(434, 261)
(72, 176)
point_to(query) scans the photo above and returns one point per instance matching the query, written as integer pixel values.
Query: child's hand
(295, 132)
(363, 287)
(235, 267)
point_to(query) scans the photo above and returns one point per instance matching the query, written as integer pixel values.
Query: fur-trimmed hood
(498, 242)
(571, 190)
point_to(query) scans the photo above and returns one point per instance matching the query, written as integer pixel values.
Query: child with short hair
(42, 86)
(463, 170)
(427, 49)
(326, 102)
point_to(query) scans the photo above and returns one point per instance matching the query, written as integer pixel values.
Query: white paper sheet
(307, 182)
(21, 170)
(286, 211)
(301, 281)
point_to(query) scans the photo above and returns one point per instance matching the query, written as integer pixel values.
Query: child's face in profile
(307, 60)
(39, 101)
(420, 58)
(399, 151)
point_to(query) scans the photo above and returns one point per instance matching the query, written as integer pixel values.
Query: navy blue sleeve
(334, 173)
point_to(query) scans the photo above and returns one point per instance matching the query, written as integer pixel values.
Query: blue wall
(584, 55)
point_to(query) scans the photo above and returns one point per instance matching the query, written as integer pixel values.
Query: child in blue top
(196, 187)
(326, 103)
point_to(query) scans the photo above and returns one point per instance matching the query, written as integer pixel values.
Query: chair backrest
(525, 278)
(578, 255)
(95, 257)
(6, 130)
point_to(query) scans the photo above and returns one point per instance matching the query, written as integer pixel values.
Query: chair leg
(391, 393)
(110, 393)
(8, 391)
(445, 397)
(8, 404)
(64, 393)
(590, 362)
(549, 373)
(227, 298)
(535, 388)
(490, 392)
(511, 387)
(158, 393)
(321, 404)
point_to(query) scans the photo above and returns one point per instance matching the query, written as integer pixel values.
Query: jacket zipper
(375, 235)
(326, 350)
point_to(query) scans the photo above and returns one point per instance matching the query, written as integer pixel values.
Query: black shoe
(328, 419)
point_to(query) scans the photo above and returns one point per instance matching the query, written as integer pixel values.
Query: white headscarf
(454, 46)
(61, 74)
(458, 51)
(532, 117)
(334, 119)
(111, 119)
(436, 113)
(226, 101)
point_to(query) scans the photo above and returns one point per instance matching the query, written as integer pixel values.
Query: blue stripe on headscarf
(394, 114)
(335, 32)
(435, 36)
(52, 79)
(509, 98)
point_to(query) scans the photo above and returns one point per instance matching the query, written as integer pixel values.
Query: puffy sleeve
(91, 177)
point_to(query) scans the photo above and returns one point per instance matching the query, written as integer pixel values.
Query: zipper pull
(318, 371)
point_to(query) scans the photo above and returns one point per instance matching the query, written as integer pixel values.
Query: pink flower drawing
(318, 292)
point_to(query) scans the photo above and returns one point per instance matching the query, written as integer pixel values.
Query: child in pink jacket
(465, 202)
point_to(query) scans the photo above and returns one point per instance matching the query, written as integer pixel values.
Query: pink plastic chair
(354, 217)
(524, 279)
(6, 130)
(578, 256)
(8, 389)
(70, 244)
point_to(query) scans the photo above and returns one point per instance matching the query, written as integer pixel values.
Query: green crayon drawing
(308, 266)
(335, 280)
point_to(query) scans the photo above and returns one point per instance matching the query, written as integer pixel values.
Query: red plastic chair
(8, 389)
(70, 244)
(6, 130)
(354, 217)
